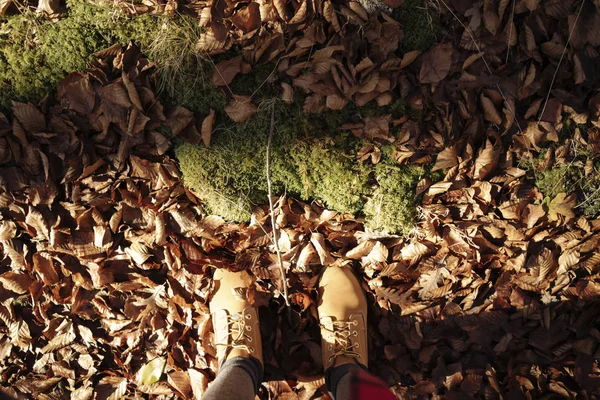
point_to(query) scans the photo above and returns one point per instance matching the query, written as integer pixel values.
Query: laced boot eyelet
(249, 339)
(248, 316)
(248, 328)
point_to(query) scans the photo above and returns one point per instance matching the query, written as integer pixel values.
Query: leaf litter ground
(107, 256)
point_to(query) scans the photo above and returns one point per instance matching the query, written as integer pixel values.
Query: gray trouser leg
(238, 379)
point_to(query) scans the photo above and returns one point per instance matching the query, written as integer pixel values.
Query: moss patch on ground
(570, 178)
(420, 23)
(579, 174)
(392, 207)
(310, 159)
(306, 161)
(184, 76)
(35, 54)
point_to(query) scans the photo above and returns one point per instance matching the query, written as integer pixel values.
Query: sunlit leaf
(152, 371)
(240, 108)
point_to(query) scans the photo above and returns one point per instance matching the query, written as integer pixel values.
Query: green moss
(230, 175)
(327, 172)
(184, 76)
(560, 179)
(35, 54)
(23, 301)
(68, 43)
(22, 72)
(310, 159)
(569, 178)
(393, 205)
(420, 24)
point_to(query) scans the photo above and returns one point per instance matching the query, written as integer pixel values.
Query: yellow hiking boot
(235, 322)
(343, 318)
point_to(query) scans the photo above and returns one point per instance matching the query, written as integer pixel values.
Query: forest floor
(446, 149)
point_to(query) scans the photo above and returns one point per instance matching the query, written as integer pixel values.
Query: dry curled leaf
(240, 108)
(562, 204)
(208, 42)
(32, 119)
(207, 127)
(578, 71)
(15, 281)
(490, 112)
(225, 71)
(8, 230)
(447, 158)
(409, 57)
(111, 388)
(330, 15)
(336, 102)
(436, 63)
(486, 161)
(198, 382)
(288, 93)
(4, 4)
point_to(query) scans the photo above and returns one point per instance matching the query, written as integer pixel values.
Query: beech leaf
(8, 230)
(490, 112)
(240, 108)
(447, 158)
(436, 63)
(562, 204)
(207, 127)
(32, 119)
(225, 71)
(152, 371)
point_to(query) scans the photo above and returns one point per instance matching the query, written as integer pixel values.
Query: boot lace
(239, 332)
(342, 342)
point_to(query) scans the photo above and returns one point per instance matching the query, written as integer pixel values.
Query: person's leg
(352, 382)
(339, 380)
(239, 379)
(343, 319)
(237, 338)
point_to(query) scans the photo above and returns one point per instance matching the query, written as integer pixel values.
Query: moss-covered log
(35, 54)
(310, 159)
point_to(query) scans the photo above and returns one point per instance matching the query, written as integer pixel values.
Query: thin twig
(512, 16)
(560, 61)
(272, 209)
(486, 65)
(595, 194)
(209, 58)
